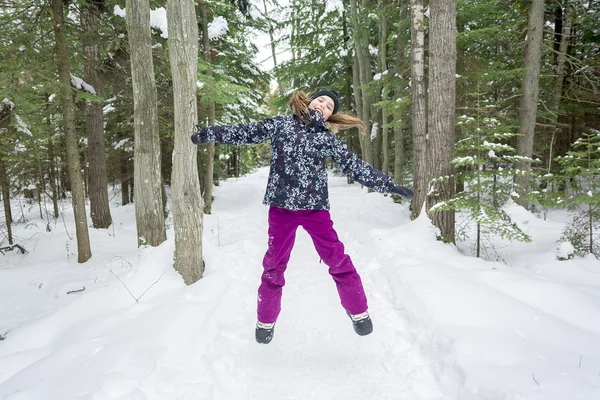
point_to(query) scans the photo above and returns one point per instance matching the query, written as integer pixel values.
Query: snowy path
(315, 353)
(446, 326)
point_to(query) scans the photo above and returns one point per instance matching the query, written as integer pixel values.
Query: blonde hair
(336, 122)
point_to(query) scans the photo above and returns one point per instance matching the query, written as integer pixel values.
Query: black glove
(316, 119)
(405, 192)
(200, 136)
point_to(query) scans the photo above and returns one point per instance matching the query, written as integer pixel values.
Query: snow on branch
(22, 126)
(6, 103)
(217, 28)
(82, 85)
(158, 18)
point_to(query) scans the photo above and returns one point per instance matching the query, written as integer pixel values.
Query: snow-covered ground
(447, 325)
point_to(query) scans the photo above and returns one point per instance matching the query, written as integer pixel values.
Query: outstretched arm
(238, 134)
(365, 173)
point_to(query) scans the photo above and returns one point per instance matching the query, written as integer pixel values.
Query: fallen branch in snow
(125, 261)
(150, 287)
(3, 336)
(77, 290)
(137, 299)
(533, 376)
(62, 215)
(11, 248)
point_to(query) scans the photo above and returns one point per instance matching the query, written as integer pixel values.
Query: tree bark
(348, 59)
(187, 200)
(125, 177)
(363, 67)
(149, 218)
(6, 199)
(399, 151)
(529, 96)
(441, 118)
(84, 251)
(561, 58)
(561, 61)
(210, 147)
(357, 90)
(98, 182)
(419, 117)
(6, 111)
(52, 167)
(383, 33)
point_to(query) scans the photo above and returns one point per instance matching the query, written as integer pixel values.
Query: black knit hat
(331, 94)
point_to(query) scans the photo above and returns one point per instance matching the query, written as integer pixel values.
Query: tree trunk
(6, 199)
(561, 61)
(419, 116)
(399, 152)
(210, 147)
(52, 167)
(187, 200)
(441, 118)
(125, 177)
(357, 91)
(84, 251)
(385, 147)
(84, 169)
(41, 187)
(461, 103)
(349, 79)
(6, 111)
(529, 96)
(364, 71)
(149, 218)
(98, 182)
(356, 76)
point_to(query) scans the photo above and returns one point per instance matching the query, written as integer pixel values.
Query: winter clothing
(298, 195)
(264, 332)
(331, 94)
(403, 191)
(282, 233)
(361, 323)
(298, 179)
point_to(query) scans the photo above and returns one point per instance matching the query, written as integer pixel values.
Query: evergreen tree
(485, 163)
(235, 85)
(581, 168)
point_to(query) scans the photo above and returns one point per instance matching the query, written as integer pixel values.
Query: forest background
(472, 103)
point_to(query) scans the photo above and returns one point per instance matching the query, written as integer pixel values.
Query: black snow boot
(362, 323)
(264, 332)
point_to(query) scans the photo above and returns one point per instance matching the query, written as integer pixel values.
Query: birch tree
(207, 182)
(187, 200)
(419, 118)
(149, 217)
(84, 251)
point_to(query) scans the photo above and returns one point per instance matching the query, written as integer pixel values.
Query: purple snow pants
(282, 233)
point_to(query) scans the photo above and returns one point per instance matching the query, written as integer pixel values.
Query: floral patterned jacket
(297, 178)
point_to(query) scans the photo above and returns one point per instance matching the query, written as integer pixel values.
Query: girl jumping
(297, 196)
